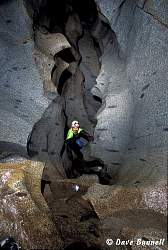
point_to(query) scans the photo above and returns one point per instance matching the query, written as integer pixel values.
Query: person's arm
(70, 137)
(86, 136)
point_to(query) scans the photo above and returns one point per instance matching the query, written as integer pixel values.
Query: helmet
(75, 124)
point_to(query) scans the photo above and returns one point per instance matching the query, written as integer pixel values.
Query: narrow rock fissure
(84, 66)
(85, 63)
(78, 77)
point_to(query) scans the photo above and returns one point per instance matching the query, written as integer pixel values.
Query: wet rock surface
(24, 214)
(74, 217)
(128, 40)
(130, 213)
(115, 198)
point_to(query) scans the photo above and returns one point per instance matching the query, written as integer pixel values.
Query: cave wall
(22, 100)
(131, 133)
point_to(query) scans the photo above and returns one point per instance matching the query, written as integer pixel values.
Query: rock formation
(103, 63)
(131, 133)
(23, 211)
(21, 90)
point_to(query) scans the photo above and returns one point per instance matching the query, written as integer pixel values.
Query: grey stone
(136, 58)
(19, 74)
(158, 9)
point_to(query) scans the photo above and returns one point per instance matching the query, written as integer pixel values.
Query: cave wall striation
(131, 133)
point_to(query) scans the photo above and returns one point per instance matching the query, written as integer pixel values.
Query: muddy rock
(74, 216)
(129, 213)
(132, 212)
(110, 199)
(24, 213)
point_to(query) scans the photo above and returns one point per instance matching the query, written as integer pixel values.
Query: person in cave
(73, 140)
(75, 144)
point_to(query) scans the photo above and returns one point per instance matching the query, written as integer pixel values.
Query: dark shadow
(98, 99)
(64, 77)
(57, 12)
(66, 55)
(87, 10)
(94, 167)
(53, 70)
(8, 243)
(43, 184)
(5, 1)
(10, 149)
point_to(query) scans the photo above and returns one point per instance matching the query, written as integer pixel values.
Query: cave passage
(73, 38)
(57, 12)
(84, 54)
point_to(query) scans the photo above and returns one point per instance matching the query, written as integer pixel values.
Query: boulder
(130, 213)
(24, 213)
(107, 200)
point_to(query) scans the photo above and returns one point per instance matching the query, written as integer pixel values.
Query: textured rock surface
(21, 89)
(132, 123)
(47, 137)
(109, 200)
(90, 67)
(24, 213)
(73, 215)
(131, 132)
(130, 212)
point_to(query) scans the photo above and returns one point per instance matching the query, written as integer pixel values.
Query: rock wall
(132, 134)
(22, 100)
(131, 131)
(24, 213)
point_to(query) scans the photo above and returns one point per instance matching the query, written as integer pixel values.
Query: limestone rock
(74, 99)
(21, 90)
(88, 179)
(131, 133)
(50, 44)
(45, 66)
(108, 200)
(73, 29)
(24, 213)
(73, 215)
(46, 133)
(61, 67)
(130, 212)
(158, 10)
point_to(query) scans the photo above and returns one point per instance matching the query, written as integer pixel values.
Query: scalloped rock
(131, 133)
(50, 44)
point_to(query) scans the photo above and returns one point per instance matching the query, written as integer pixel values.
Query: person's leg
(69, 152)
(76, 150)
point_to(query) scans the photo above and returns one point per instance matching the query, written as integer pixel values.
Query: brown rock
(24, 213)
(50, 44)
(130, 212)
(109, 199)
